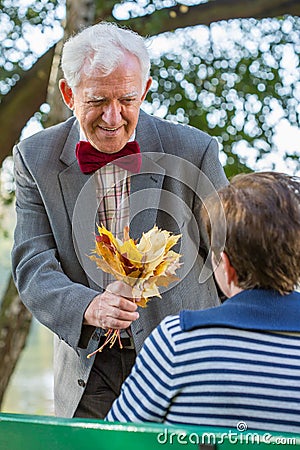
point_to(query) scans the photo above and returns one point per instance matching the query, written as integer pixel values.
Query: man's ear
(148, 84)
(229, 270)
(67, 93)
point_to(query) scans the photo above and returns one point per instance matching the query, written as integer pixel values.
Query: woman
(239, 361)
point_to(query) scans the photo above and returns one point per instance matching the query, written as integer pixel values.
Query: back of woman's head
(262, 212)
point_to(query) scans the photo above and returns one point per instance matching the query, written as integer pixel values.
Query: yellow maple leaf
(144, 265)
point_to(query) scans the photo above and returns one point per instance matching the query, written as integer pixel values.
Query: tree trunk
(80, 14)
(15, 322)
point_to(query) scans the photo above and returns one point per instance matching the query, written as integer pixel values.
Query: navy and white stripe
(214, 376)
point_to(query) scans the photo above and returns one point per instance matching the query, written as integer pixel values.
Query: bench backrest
(25, 432)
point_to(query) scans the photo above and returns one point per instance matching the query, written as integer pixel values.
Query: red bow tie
(91, 159)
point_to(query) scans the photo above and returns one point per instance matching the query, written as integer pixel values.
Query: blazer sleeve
(53, 298)
(211, 165)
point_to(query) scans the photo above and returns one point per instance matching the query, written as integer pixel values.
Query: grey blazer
(55, 204)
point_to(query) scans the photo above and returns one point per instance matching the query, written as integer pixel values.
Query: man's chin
(107, 147)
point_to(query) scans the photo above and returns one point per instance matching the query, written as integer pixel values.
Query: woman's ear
(229, 270)
(67, 93)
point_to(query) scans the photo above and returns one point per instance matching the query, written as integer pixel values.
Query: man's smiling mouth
(110, 129)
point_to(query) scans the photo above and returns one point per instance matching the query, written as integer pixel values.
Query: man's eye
(96, 102)
(128, 100)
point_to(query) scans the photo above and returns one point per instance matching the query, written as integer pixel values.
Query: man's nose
(112, 114)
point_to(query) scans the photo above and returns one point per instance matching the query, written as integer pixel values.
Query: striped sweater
(215, 376)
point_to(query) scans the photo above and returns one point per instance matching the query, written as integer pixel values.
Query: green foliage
(235, 80)
(24, 26)
(137, 8)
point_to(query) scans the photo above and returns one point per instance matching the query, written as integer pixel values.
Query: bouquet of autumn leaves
(143, 265)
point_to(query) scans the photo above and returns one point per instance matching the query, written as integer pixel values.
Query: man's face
(107, 107)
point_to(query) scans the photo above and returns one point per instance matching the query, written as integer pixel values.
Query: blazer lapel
(71, 179)
(79, 194)
(146, 186)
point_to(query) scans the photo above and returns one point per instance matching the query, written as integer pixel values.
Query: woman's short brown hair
(262, 212)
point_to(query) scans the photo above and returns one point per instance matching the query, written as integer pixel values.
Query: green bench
(25, 432)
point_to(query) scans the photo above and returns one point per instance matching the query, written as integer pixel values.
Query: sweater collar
(255, 309)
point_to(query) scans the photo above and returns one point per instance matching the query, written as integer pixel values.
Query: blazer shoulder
(52, 138)
(179, 132)
(176, 138)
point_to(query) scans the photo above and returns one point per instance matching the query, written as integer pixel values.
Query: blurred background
(230, 68)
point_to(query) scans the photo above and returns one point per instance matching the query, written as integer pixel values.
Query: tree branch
(170, 19)
(24, 99)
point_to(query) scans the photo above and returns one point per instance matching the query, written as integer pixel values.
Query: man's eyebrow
(95, 97)
(130, 94)
(99, 98)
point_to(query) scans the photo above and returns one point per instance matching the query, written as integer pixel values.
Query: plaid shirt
(112, 190)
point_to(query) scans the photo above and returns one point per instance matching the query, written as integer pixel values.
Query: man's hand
(113, 308)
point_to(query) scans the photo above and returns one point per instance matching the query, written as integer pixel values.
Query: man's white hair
(102, 46)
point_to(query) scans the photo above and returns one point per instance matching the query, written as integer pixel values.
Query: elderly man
(68, 177)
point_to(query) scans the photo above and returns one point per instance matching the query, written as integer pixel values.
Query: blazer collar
(255, 309)
(68, 151)
(147, 135)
